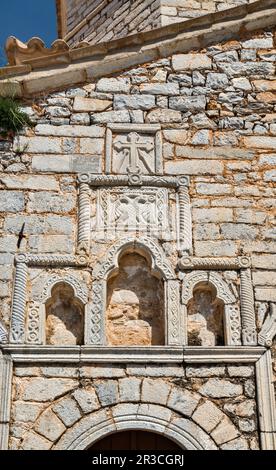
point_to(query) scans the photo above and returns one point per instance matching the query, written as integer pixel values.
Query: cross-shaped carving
(134, 146)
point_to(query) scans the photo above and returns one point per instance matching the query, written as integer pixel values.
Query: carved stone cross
(133, 146)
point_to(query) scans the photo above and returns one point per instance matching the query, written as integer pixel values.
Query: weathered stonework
(142, 292)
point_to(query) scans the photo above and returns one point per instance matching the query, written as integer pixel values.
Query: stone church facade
(142, 295)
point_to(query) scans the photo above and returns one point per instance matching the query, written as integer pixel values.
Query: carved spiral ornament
(247, 309)
(19, 302)
(84, 215)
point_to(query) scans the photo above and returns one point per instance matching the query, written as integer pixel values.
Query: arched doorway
(134, 440)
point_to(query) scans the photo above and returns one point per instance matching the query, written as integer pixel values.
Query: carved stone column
(17, 331)
(5, 399)
(249, 334)
(84, 218)
(185, 220)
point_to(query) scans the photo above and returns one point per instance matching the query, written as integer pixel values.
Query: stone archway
(129, 416)
(134, 440)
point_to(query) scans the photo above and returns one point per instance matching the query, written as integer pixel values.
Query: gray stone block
(67, 411)
(49, 426)
(220, 388)
(144, 102)
(11, 201)
(107, 392)
(40, 389)
(67, 163)
(86, 399)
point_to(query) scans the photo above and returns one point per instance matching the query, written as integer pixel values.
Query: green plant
(12, 118)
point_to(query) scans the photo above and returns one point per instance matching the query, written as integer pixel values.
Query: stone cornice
(86, 63)
(133, 354)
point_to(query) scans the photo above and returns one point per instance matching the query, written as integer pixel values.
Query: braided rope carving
(249, 334)
(19, 304)
(84, 218)
(214, 263)
(185, 220)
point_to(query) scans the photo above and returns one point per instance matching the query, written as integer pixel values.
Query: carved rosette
(232, 325)
(33, 334)
(17, 332)
(249, 334)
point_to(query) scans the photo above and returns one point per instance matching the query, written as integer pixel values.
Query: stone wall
(51, 403)
(101, 21)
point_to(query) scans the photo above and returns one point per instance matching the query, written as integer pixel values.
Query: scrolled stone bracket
(186, 263)
(268, 330)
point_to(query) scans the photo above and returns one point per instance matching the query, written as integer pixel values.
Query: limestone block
(250, 216)
(224, 432)
(168, 89)
(176, 136)
(264, 278)
(129, 389)
(25, 412)
(155, 371)
(264, 261)
(56, 371)
(205, 371)
(247, 425)
(213, 215)
(227, 56)
(236, 444)
(67, 163)
(51, 244)
(237, 69)
(245, 408)
(22, 371)
(202, 137)
(264, 85)
(216, 248)
(183, 401)
(72, 92)
(155, 391)
(58, 111)
(70, 131)
(163, 116)
(258, 43)
(213, 189)
(41, 389)
(86, 399)
(111, 116)
(240, 371)
(201, 121)
(206, 231)
(51, 224)
(83, 119)
(193, 167)
(217, 81)
(92, 146)
(242, 83)
(268, 160)
(102, 372)
(68, 411)
(113, 85)
(191, 62)
(90, 104)
(33, 441)
(11, 201)
(219, 388)
(238, 231)
(270, 175)
(208, 416)
(266, 294)
(42, 183)
(49, 426)
(107, 392)
(38, 144)
(144, 102)
(265, 142)
(193, 104)
(43, 201)
(218, 153)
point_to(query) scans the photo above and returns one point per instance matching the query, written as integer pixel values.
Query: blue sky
(25, 19)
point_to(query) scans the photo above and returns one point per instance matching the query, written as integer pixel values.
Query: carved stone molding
(186, 263)
(232, 326)
(266, 402)
(134, 149)
(53, 260)
(191, 279)
(95, 315)
(19, 52)
(158, 258)
(35, 328)
(3, 334)
(175, 323)
(185, 221)
(17, 329)
(134, 180)
(268, 330)
(84, 219)
(5, 398)
(80, 291)
(249, 333)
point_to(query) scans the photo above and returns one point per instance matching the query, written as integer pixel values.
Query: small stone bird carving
(21, 236)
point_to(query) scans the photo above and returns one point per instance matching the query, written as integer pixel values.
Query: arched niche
(135, 303)
(154, 259)
(57, 313)
(64, 322)
(211, 310)
(205, 317)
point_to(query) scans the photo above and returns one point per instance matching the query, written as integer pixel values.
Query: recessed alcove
(205, 317)
(64, 317)
(135, 303)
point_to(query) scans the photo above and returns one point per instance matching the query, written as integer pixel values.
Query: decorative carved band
(52, 260)
(186, 263)
(134, 180)
(249, 334)
(84, 218)
(175, 329)
(94, 329)
(33, 333)
(185, 220)
(17, 331)
(268, 330)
